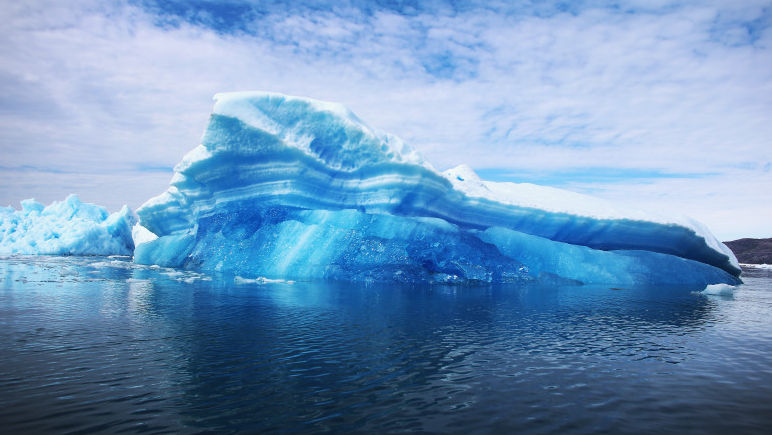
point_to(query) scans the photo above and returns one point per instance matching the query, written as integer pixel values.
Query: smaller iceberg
(69, 227)
(719, 290)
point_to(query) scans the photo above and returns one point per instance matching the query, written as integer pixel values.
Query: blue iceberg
(68, 227)
(293, 188)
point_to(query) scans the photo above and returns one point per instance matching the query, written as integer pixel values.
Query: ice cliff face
(287, 187)
(69, 227)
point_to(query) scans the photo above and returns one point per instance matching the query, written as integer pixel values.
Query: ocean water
(90, 344)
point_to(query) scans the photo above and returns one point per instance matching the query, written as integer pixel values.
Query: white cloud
(99, 88)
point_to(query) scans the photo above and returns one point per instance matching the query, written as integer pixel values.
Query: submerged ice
(293, 188)
(68, 227)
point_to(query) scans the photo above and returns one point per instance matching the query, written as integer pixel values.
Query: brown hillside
(752, 251)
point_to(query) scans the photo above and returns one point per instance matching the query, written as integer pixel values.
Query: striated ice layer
(69, 227)
(293, 188)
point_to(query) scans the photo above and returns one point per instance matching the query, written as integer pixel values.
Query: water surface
(98, 344)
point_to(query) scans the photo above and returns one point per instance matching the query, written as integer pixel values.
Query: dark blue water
(96, 344)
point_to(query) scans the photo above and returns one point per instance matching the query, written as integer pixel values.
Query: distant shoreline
(752, 251)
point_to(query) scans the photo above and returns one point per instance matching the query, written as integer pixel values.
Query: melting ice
(293, 188)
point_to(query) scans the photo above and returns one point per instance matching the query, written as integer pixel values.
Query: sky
(660, 105)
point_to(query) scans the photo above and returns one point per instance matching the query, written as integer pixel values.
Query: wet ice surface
(99, 343)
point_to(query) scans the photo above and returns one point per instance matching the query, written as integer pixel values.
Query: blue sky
(662, 105)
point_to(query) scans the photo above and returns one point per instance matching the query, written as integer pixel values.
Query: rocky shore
(752, 251)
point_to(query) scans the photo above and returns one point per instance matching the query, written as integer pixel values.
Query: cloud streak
(682, 88)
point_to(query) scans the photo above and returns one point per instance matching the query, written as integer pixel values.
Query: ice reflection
(113, 345)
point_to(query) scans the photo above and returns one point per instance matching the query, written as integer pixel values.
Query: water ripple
(100, 345)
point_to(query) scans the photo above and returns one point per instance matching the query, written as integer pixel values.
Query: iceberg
(719, 290)
(69, 227)
(285, 187)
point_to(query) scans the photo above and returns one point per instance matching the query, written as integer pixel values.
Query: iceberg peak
(462, 173)
(328, 132)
